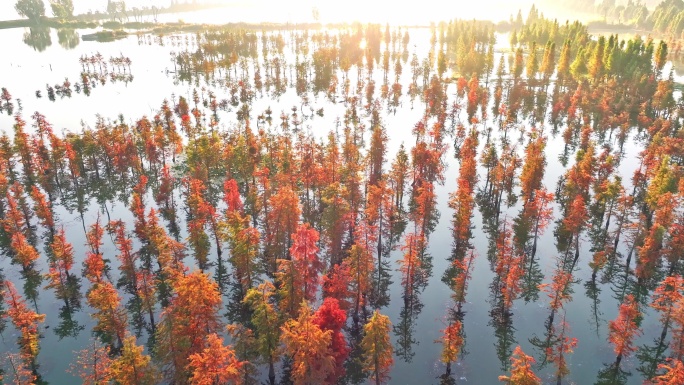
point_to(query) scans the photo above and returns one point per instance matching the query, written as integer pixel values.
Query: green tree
(532, 65)
(266, 323)
(548, 61)
(377, 348)
(518, 65)
(31, 9)
(116, 9)
(62, 9)
(578, 68)
(441, 63)
(133, 366)
(596, 64)
(564, 60)
(661, 56)
(514, 40)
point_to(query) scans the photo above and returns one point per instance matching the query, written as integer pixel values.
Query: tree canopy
(31, 9)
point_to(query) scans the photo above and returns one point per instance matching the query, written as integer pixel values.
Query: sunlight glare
(364, 11)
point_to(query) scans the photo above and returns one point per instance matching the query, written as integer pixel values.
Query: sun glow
(364, 11)
(388, 11)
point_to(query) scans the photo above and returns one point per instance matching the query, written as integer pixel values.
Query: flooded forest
(358, 204)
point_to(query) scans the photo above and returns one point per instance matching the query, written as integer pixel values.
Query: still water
(26, 69)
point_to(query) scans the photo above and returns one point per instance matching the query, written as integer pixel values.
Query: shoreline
(109, 24)
(87, 20)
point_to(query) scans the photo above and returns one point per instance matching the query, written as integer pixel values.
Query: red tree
(216, 364)
(624, 328)
(92, 365)
(673, 373)
(331, 317)
(304, 253)
(26, 322)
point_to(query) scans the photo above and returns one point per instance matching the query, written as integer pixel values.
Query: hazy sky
(389, 9)
(80, 6)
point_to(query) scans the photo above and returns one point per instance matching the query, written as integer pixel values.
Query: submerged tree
(521, 370)
(309, 347)
(452, 343)
(192, 314)
(625, 328)
(93, 365)
(133, 366)
(26, 322)
(216, 364)
(377, 348)
(266, 321)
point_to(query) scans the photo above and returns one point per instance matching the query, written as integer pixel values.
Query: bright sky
(80, 6)
(347, 10)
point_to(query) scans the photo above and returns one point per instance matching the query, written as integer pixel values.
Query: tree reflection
(354, 373)
(592, 291)
(531, 280)
(612, 374)
(404, 332)
(3, 319)
(237, 311)
(68, 38)
(38, 38)
(68, 326)
(246, 347)
(505, 337)
(652, 355)
(446, 379)
(32, 280)
(286, 379)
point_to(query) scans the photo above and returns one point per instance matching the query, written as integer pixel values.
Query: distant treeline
(666, 19)
(120, 18)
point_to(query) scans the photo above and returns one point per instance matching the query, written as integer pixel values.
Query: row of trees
(35, 9)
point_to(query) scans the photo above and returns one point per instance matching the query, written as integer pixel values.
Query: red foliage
(624, 328)
(336, 285)
(463, 269)
(577, 216)
(558, 290)
(126, 256)
(94, 263)
(25, 321)
(25, 253)
(673, 375)
(138, 208)
(304, 253)
(216, 364)
(15, 220)
(165, 187)
(331, 317)
(509, 267)
(92, 365)
(232, 195)
(43, 209)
